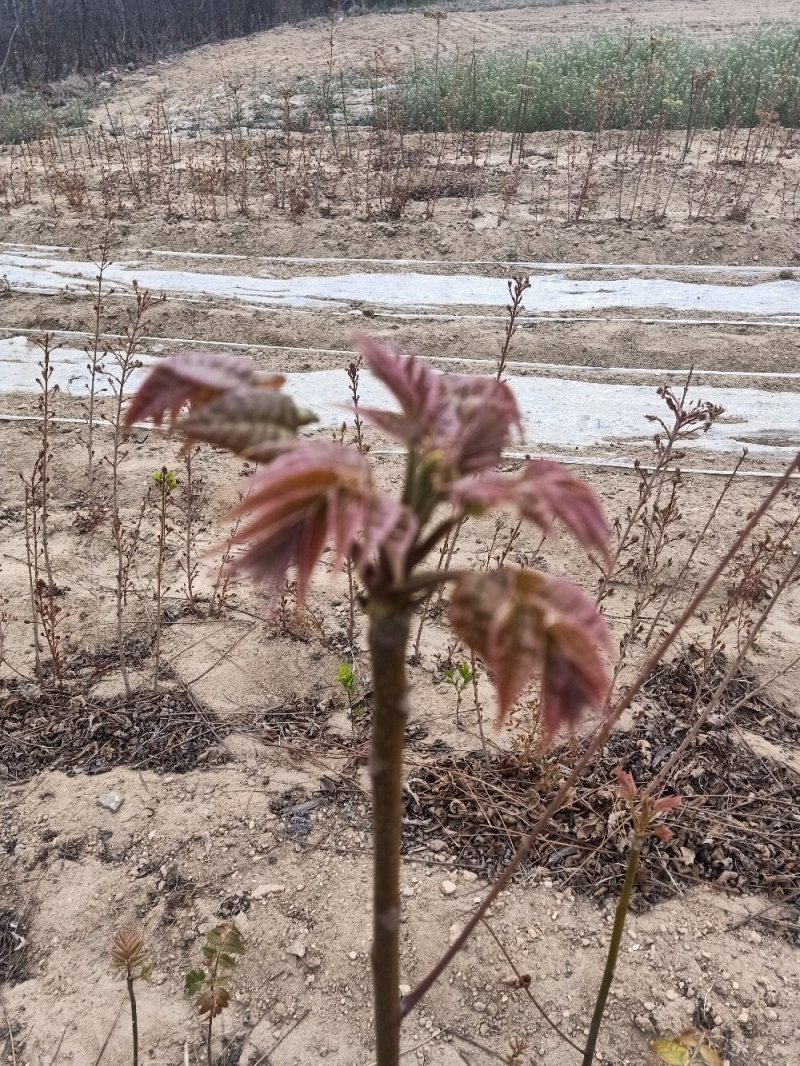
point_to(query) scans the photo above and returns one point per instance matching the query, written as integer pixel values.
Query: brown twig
(524, 986)
(730, 673)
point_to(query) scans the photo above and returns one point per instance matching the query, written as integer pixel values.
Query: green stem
(388, 642)
(613, 948)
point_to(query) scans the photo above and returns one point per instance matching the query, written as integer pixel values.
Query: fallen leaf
(690, 1047)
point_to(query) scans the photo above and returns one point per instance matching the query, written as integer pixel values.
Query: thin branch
(10, 1032)
(478, 1046)
(58, 1045)
(10, 40)
(530, 994)
(719, 692)
(265, 1057)
(764, 910)
(678, 580)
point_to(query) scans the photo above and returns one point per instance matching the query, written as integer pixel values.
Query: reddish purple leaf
(193, 378)
(311, 494)
(389, 530)
(467, 419)
(543, 492)
(317, 494)
(547, 492)
(523, 622)
(486, 412)
(663, 834)
(416, 387)
(626, 784)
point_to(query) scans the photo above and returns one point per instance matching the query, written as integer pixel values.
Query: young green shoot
(458, 678)
(208, 985)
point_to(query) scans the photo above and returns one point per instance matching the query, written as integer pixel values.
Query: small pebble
(447, 888)
(110, 801)
(266, 890)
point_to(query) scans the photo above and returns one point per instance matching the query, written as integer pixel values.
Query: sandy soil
(270, 827)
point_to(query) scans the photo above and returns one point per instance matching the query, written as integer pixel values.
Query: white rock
(266, 890)
(110, 801)
(296, 948)
(447, 888)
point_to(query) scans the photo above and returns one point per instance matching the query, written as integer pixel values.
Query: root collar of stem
(388, 641)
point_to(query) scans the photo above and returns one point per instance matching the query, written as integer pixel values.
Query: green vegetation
(28, 117)
(612, 80)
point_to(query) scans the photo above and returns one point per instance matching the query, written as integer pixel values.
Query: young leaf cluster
(310, 493)
(208, 985)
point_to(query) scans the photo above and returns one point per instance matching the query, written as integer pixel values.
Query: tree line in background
(44, 40)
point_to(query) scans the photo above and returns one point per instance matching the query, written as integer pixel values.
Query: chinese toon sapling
(165, 483)
(129, 957)
(646, 815)
(348, 679)
(309, 493)
(208, 985)
(458, 677)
